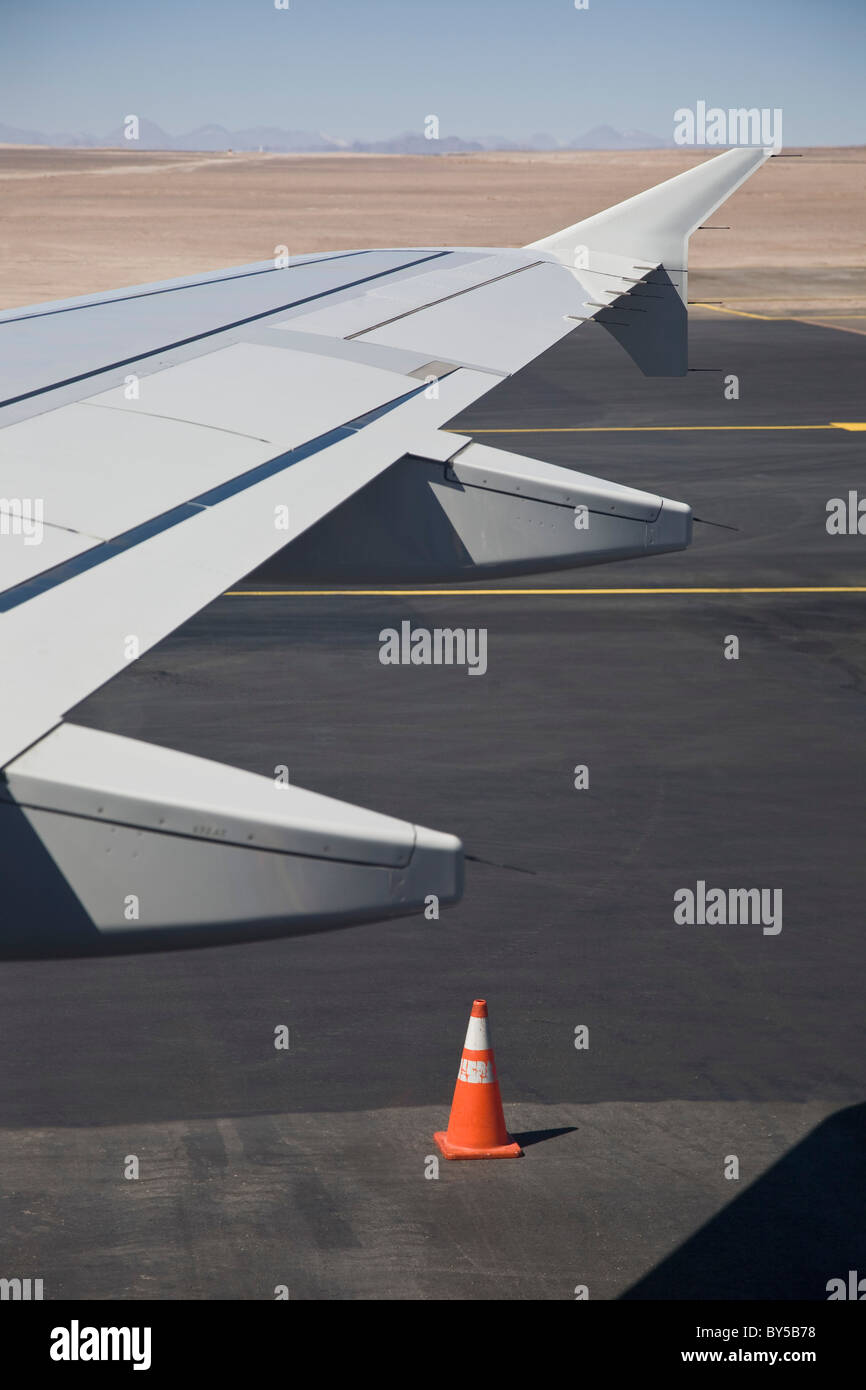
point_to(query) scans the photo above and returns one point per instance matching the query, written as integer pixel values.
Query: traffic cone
(476, 1128)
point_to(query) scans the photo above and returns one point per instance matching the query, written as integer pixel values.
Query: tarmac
(307, 1170)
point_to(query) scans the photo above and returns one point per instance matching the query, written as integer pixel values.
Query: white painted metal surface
(387, 299)
(499, 326)
(25, 554)
(153, 840)
(654, 227)
(479, 465)
(280, 396)
(75, 635)
(80, 771)
(102, 471)
(515, 515)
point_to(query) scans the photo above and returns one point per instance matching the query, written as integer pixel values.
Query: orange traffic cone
(476, 1128)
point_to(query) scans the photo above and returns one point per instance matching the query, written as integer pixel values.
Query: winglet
(633, 258)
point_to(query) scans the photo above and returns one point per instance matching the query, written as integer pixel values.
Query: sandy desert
(791, 241)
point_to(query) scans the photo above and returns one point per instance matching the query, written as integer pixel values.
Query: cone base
(512, 1150)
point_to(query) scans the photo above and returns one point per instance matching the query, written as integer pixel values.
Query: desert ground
(80, 221)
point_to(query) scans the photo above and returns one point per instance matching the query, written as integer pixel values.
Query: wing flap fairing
(161, 848)
(483, 513)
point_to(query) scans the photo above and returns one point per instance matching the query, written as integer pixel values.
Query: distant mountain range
(273, 140)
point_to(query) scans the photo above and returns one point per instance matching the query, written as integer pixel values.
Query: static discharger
(476, 1127)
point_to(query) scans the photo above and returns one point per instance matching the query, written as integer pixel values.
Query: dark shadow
(393, 529)
(40, 914)
(538, 1136)
(652, 323)
(800, 1225)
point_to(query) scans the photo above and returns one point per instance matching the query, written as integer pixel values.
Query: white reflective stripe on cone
(478, 1035)
(483, 1073)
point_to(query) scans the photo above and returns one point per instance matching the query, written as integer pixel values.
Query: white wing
(159, 443)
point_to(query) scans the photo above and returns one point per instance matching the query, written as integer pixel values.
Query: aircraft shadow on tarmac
(800, 1225)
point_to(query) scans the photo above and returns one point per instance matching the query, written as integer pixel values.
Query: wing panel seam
(213, 332)
(106, 550)
(187, 285)
(407, 313)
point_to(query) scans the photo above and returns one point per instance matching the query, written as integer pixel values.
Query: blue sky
(366, 69)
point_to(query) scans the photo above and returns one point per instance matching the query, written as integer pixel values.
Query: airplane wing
(159, 443)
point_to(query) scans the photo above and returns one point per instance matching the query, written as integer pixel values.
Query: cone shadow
(538, 1136)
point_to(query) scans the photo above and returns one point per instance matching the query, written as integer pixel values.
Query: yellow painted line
(832, 321)
(822, 322)
(786, 299)
(483, 593)
(643, 429)
(741, 313)
(849, 425)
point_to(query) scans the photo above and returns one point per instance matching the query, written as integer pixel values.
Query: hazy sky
(365, 69)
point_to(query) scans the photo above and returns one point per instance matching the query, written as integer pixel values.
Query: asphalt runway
(306, 1168)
